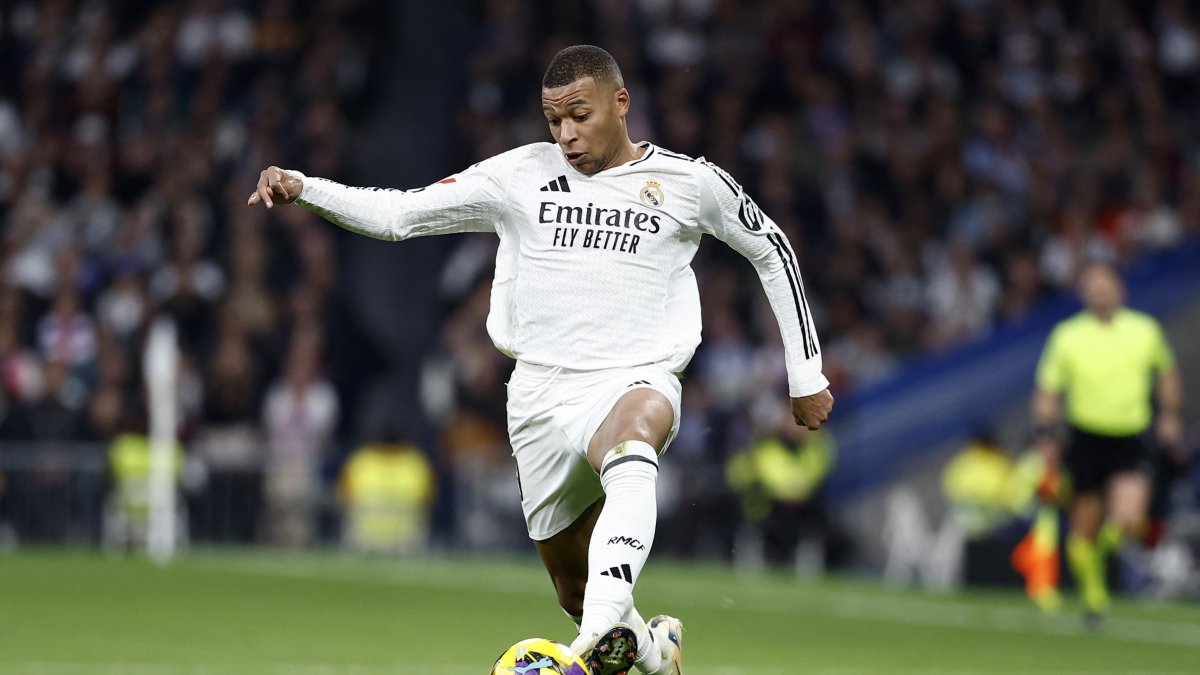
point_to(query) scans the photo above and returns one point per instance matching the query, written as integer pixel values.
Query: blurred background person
(230, 442)
(1008, 510)
(127, 506)
(975, 483)
(779, 478)
(386, 489)
(299, 415)
(1109, 365)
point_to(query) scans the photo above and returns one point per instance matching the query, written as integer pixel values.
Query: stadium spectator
(122, 307)
(299, 416)
(43, 498)
(386, 489)
(66, 334)
(779, 477)
(127, 506)
(976, 485)
(188, 287)
(20, 369)
(230, 443)
(963, 297)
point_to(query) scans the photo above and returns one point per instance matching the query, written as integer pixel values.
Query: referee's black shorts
(1092, 459)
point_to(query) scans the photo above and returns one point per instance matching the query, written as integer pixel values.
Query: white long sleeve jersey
(594, 271)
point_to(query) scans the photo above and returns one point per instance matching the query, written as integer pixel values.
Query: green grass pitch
(260, 612)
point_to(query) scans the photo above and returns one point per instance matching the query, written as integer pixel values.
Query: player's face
(1102, 291)
(587, 120)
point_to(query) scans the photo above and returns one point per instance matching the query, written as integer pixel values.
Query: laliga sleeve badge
(652, 194)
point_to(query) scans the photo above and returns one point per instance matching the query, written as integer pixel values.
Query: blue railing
(940, 398)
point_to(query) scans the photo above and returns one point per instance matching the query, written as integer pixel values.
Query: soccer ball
(539, 656)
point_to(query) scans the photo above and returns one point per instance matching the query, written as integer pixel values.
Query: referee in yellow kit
(1104, 362)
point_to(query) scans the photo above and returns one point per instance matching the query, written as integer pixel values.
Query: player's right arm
(1046, 405)
(470, 201)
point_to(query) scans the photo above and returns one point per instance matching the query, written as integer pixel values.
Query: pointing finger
(264, 193)
(260, 190)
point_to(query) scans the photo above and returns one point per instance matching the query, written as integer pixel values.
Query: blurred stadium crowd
(939, 165)
(129, 135)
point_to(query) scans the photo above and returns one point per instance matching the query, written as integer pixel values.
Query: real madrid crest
(652, 194)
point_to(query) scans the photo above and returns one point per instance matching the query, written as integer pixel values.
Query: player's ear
(622, 98)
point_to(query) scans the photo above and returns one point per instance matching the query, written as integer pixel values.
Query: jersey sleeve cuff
(304, 184)
(316, 196)
(808, 386)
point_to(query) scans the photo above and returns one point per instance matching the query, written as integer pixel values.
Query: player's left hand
(812, 411)
(1169, 430)
(275, 186)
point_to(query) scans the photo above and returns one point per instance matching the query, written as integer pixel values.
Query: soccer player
(595, 299)
(1103, 361)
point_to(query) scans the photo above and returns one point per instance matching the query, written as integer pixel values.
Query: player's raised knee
(643, 416)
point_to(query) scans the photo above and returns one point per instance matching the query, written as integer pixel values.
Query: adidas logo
(557, 185)
(623, 573)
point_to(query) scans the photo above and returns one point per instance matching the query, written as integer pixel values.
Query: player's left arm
(729, 214)
(1169, 393)
(1170, 401)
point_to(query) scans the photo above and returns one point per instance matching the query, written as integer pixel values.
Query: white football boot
(668, 633)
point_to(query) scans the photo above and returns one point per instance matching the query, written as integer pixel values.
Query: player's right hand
(812, 411)
(275, 186)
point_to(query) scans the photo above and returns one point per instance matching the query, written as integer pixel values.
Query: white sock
(621, 539)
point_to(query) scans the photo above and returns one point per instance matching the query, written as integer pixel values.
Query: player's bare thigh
(1128, 500)
(642, 414)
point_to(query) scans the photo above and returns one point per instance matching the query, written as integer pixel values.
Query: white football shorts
(552, 415)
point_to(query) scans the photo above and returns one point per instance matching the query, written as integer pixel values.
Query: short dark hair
(580, 61)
